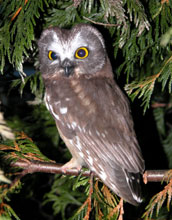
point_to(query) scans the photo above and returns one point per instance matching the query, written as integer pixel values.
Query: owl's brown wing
(108, 159)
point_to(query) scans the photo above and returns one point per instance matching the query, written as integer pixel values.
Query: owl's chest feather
(69, 102)
(70, 97)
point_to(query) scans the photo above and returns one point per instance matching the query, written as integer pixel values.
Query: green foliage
(22, 148)
(6, 211)
(60, 196)
(167, 143)
(162, 111)
(20, 27)
(35, 83)
(148, 46)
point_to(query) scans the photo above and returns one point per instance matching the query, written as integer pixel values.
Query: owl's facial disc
(71, 53)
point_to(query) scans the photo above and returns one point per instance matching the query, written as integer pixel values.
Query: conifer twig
(18, 11)
(88, 201)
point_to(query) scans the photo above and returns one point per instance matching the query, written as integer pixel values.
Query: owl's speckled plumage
(91, 113)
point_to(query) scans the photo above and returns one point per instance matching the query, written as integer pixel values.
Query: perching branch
(45, 167)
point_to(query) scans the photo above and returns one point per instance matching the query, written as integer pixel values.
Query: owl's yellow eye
(52, 55)
(81, 53)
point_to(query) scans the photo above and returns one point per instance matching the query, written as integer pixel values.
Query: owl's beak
(68, 67)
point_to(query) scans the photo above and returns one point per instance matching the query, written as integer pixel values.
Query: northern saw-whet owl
(91, 113)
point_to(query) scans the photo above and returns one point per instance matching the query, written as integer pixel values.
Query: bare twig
(47, 167)
(159, 105)
(154, 176)
(99, 23)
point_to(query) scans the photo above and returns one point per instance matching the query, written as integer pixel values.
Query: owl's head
(74, 52)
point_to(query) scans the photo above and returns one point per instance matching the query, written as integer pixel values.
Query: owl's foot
(73, 163)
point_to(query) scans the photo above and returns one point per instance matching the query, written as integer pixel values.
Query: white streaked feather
(81, 154)
(54, 114)
(103, 175)
(78, 144)
(90, 160)
(73, 124)
(63, 110)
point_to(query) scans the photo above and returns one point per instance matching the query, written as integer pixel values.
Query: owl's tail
(125, 184)
(133, 181)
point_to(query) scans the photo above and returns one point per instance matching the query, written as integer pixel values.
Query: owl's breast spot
(63, 110)
(67, 99)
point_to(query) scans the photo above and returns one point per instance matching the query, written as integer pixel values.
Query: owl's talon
(71, 165)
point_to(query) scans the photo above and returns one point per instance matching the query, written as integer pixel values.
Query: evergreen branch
(144, 88)
(164, 1)
(17, 33)
(5, 209)
(105, 198)
(138, 17)
(116, 208)
(23, 148)
(88, 200)
(158, 199)
(4, 214)
(166, 63)
(120, 209)
(98, 200)
(166, 70)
